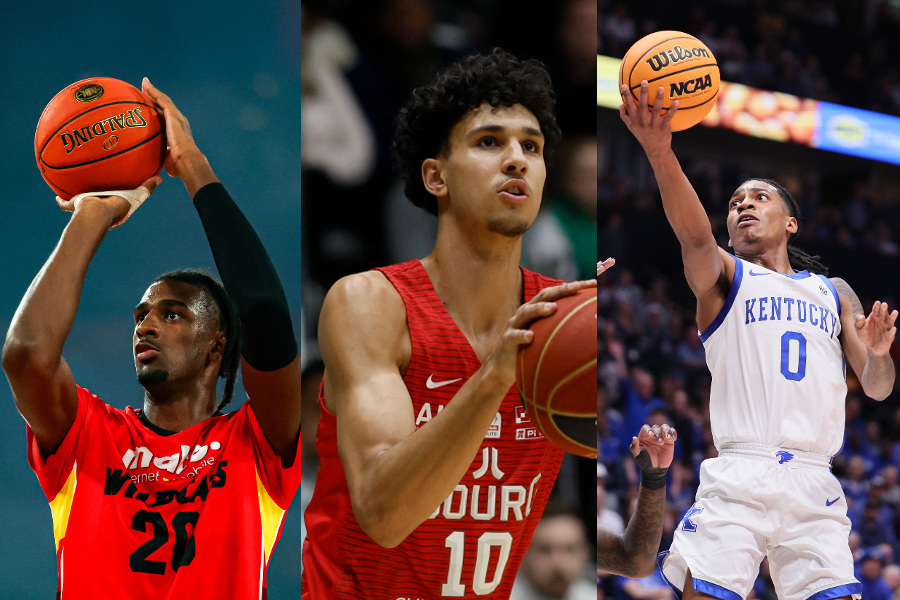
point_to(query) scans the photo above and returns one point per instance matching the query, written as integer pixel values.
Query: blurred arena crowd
(785, 46)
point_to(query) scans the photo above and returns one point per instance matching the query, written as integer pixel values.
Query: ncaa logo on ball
(89, 92)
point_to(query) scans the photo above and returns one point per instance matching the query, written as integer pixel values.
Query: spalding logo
(110, 142)
(89, 92)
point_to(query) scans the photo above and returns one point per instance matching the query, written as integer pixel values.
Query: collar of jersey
(159, 430)
(797, 274)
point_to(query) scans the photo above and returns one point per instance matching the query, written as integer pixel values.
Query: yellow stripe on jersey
(61, 505)
(270, 514)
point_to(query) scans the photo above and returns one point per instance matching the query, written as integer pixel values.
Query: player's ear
(217, 345)
(433, 177)
(792, 225)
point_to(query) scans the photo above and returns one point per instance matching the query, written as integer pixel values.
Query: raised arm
(633, 554)
(41, 381)
(866, 341)
(705, 264)
(397, 479)
(270, 361)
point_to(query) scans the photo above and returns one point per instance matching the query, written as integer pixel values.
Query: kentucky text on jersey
(776, 308)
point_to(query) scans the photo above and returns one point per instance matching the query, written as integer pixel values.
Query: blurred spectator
(874, 587)
(554, 566)
(606, 518)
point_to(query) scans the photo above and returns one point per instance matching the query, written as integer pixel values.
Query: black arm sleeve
(250, 279)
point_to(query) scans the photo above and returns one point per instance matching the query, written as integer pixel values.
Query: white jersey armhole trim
(729, 301)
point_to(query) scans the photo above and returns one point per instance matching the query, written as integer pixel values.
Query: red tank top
(473, 543)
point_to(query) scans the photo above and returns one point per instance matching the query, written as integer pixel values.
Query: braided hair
(800, 260)
(229, 322)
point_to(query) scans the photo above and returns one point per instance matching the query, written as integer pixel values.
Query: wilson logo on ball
(675, 55)
(690, 86)
(78, 137)
(89, 92)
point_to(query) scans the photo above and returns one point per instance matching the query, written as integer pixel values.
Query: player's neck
(477, 278)
(177, 408)
(775, 260)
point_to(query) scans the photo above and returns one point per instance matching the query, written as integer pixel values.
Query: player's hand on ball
(604, 265)
(178, 130)
(651, 128)
(115, 206)
(877, 331)
(503, 357)
(658, 441)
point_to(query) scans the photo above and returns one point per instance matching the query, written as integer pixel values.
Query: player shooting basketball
(432, 477)
(173, 500)
(776, 331)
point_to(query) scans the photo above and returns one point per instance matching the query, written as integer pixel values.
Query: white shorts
(755, 501)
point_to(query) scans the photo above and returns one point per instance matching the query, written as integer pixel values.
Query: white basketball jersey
(776, 362)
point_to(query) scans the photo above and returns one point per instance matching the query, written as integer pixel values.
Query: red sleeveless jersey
(139, 512)
(473, 543)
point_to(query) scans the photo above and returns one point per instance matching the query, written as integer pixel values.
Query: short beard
(511, 229)
(152, 377)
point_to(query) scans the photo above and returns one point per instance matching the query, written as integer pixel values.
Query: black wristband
(267, 333)
(652, 478)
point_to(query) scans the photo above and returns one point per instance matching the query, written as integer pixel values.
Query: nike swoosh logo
(431, 384)
(758, 274)
(830, 502)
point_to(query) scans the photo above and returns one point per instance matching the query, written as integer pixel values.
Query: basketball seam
(537, 368)
(81, 114)
(90, 162)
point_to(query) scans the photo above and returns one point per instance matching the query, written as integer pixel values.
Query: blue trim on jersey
(732, 294)
(796, 275)
(718, 591)
(660, 559)
(848, 589)
(830, 285)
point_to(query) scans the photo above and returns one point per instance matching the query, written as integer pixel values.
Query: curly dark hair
(498, 78)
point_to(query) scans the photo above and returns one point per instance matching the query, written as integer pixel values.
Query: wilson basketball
(99, 134)
(557, 374)
(682, 65)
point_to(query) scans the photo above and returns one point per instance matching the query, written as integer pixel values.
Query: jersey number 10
(456, 541)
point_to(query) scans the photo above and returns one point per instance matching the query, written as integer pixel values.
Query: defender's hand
(116, 207)
(658, 441)
(604, 265)
(877, 331)
(178, 130)
(651, 128)
(503, 357)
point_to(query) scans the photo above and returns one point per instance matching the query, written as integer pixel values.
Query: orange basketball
(557, 374)
(682, 65)
(98, 135)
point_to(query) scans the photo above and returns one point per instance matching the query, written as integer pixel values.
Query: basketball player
(776, 331)
(633, 554)
(174, 499)
(432, 477)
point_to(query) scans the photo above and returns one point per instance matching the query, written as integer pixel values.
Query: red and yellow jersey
(473, 543)
(139, 512)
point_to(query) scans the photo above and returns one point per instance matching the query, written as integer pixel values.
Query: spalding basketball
(679, 63)
(98, 135)
(557, 374)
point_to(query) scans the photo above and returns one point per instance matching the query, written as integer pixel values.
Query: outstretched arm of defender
(866, 341)
(633, 554)
(397, 475)
(270, 360)
(42, 384)
(704, 262)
